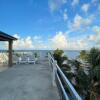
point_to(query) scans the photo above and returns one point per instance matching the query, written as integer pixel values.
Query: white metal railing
(56, 69)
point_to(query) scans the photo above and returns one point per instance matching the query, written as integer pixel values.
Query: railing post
(49, 59)
(55, 69)
(54, 73)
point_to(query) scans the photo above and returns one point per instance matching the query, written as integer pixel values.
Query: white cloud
(65, 16)
(86, 42)
(54, 5)
(85, 7)
(78, 44)
(79, 21)
(59, 41)
(35, 42)
(16, 36)
(40, 46)
(96, 29)
(95, 37)
(36, 37)
(62, 41)
(23, 43)
(28, 42)
(75, 2)
(87, 21)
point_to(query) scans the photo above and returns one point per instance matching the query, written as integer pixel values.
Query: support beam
(10, 39)
(10, 53)
(3, 39)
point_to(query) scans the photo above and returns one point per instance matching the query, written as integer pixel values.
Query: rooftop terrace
(28, 82)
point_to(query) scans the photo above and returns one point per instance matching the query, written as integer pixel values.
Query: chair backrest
(24, 58)
(31, 57)
(20, 58)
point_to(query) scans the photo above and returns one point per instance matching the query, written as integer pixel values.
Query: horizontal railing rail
(59, 75)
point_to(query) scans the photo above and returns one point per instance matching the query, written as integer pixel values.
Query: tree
(87, 85)
(94, 57)
(35, 54)
(76, 63)
(58, 56)
(92, 86)
(83, 55)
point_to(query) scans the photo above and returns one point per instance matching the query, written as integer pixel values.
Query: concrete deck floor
(28, 82)
(3, 67)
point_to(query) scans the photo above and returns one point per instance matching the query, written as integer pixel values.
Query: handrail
(71, 89)
(62, 87)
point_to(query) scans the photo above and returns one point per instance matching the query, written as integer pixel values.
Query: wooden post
(10, 53)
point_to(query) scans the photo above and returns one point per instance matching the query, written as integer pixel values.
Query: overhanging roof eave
(6, 37)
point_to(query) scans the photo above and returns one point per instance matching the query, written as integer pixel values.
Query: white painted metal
(71, 89)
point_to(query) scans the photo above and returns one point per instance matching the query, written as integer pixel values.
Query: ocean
(72, 54)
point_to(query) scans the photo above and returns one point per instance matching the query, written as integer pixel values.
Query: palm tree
(58, 56)
(94, 57)
(93, 83)
(87, 85)
(83, 55)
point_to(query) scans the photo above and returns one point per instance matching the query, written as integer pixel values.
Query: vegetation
(17, 54)
(58, 56)
(83, 55)
(87, 79)
(36, 55)
(94, 57)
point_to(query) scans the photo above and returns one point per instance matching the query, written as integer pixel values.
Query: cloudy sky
(51, 24)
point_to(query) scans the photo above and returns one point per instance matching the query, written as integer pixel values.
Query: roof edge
(5, 35)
